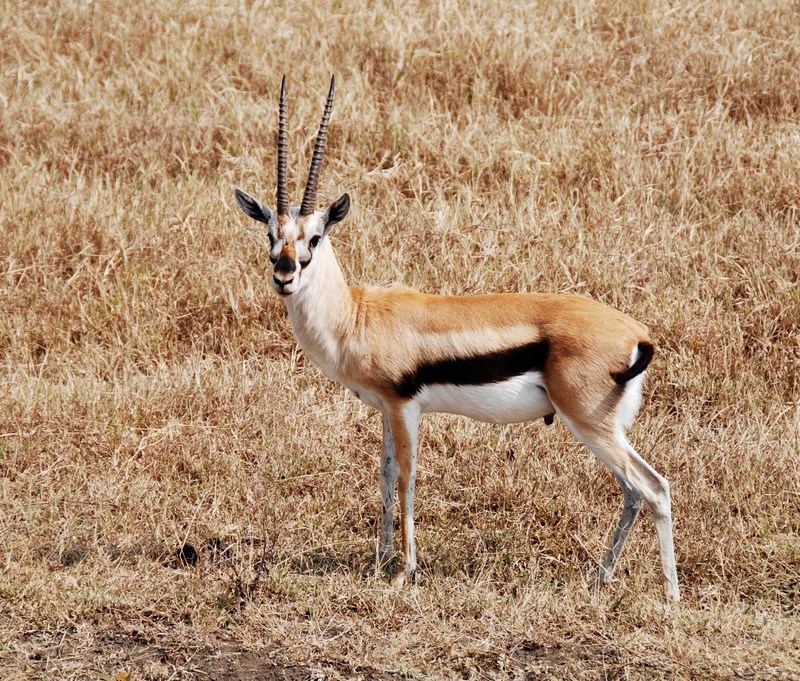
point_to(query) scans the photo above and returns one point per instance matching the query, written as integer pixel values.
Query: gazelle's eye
(314, 241)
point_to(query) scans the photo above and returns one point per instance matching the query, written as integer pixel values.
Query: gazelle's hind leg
(632, 504)
(599, 419)
(654, 488)
(644, 483)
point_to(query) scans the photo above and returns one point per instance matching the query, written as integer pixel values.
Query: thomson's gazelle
(500, 358)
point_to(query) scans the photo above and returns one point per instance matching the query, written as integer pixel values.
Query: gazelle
(500, 358)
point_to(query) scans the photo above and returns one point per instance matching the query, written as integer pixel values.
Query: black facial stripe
(314, 241)
(493, 367)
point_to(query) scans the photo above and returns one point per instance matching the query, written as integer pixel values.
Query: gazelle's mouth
(280, 287)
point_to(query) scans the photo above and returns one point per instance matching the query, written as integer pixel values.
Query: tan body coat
(368, 338)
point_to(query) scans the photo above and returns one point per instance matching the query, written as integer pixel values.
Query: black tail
(645, 355)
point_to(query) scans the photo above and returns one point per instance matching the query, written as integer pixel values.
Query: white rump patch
(631, 400)
(517, 399)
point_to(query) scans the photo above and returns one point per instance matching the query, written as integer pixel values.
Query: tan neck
(324, 314)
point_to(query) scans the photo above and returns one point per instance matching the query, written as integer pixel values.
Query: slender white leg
(388, 483)
(655, 490)
(405, 429)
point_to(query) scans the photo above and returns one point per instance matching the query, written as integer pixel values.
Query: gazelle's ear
(336, 212)
(253, 208)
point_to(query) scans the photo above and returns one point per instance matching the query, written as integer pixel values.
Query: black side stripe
(492, 367)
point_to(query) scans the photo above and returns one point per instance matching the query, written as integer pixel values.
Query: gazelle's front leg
(388, 484)
(404, 425)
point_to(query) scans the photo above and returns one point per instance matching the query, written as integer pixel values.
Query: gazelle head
(295, 233)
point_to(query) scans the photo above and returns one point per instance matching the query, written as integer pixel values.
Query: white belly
(521, 398)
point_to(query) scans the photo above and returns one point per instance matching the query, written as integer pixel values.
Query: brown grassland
(646, 154)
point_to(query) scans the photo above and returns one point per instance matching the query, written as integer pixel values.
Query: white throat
(322, 312)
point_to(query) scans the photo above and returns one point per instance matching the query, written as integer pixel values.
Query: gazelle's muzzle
(284, 275)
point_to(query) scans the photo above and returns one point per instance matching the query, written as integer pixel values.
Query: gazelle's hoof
(402, 576)
(602, 578)
(671, 590)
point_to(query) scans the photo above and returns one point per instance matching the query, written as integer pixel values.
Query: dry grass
(643, 153)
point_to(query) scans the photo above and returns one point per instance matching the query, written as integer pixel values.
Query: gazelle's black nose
(285, 268)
